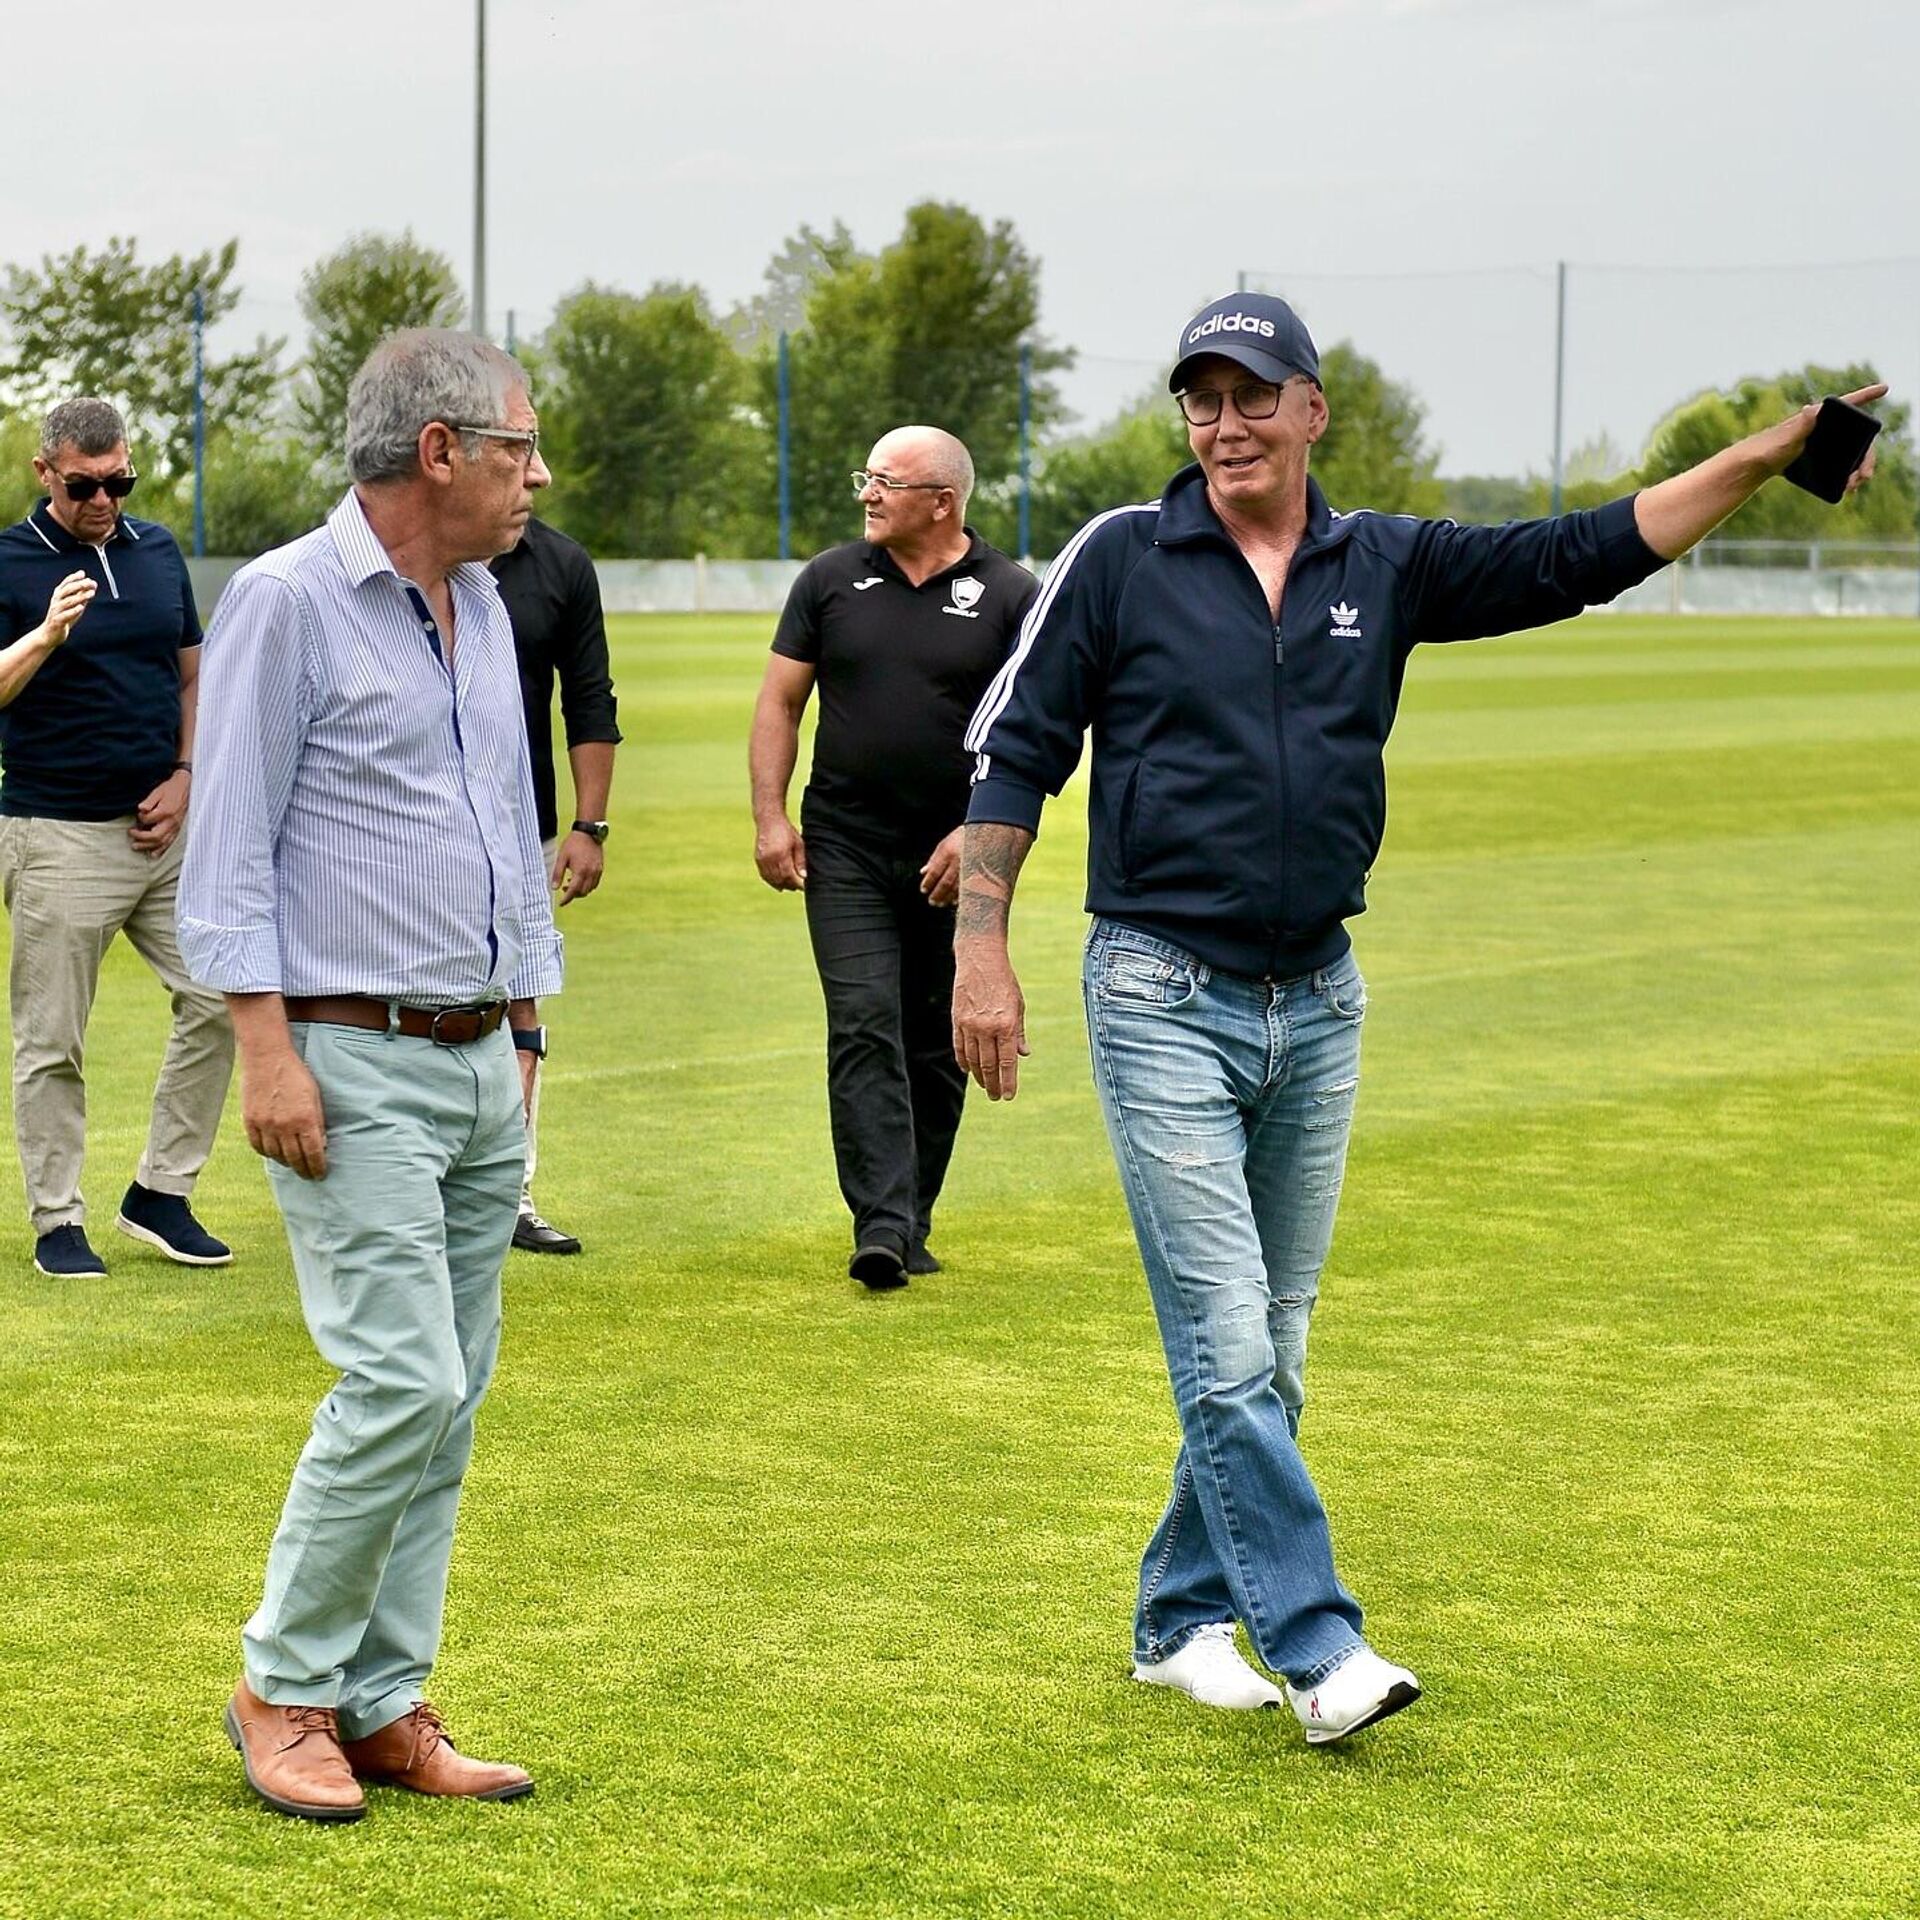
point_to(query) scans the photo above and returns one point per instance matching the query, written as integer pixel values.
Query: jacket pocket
(1127, 829)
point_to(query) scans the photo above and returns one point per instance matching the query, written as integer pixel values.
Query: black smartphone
(1841, 435)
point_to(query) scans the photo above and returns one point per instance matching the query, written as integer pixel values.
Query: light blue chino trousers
(398, 1252)
(1228, 1102)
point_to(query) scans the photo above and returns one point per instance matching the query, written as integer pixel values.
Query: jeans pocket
(1134, 979)
(1346, 995)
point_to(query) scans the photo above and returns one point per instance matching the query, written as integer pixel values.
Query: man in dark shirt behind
(553, 600)
(99, 666)
(903, 629)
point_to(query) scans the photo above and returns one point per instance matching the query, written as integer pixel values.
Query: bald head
(928, 454)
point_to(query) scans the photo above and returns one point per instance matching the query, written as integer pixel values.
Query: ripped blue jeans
(1228, 1102)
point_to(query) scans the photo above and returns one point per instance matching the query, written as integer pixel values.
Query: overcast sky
(1408, 171)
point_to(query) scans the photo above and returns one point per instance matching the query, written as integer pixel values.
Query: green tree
(263, 490)
(1128, 460)
(642, 416)
(19, 442)
(102, 323)
(781, 304)
(351, 300)
(1700, 427)
(929, 331)
(1487, 498)
(1374, 452)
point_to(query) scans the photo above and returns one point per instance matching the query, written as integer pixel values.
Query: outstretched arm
(1679, 513)
(989, 1016)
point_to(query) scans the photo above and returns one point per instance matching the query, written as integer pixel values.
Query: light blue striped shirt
(363, 820)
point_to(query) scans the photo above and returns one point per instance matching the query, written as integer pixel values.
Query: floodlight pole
(1559, 371)
(1025, 548)
(480, 167)
(785, 451)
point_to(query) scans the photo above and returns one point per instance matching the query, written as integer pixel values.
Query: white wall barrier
(701, 585)
(1889, 592)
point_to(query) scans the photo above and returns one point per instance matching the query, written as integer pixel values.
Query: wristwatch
(531, 1040)
(593, 829)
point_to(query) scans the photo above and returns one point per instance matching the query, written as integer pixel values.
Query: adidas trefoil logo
(1346, 622)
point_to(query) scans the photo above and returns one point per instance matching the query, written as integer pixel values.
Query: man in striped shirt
(366, 888)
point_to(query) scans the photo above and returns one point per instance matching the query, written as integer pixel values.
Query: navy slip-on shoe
(64, 1254)
(164, 1220)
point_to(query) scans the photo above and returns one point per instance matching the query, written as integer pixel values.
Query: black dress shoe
(531, 1234)
(878, 1266)
(919, 1260)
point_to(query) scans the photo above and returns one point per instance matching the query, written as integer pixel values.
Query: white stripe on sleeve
(994, 701)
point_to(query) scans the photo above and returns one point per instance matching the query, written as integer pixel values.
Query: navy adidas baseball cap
(1259, 331)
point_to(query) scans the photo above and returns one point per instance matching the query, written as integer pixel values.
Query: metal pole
(1025, 548)
(786, 452)
(480, 167)
(1240, 281)
(1559, 371)
(513, 344)
(199, 424)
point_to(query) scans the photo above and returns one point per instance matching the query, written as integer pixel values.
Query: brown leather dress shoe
(293, 1759)
(414, 1752)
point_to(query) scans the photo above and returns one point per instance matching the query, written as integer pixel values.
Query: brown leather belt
(445, 1026)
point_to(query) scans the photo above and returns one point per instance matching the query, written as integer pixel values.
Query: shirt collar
(883, 562)
(1186, 513)
(363, 558)
(354, 540)
(56, 536)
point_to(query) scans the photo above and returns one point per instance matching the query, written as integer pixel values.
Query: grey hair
(89, 427)
(414, 378)
(947, 462)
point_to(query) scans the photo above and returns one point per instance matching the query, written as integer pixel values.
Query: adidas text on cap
(1257, 330)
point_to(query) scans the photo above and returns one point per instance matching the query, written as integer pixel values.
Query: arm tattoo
(980, 913)
(990, 861)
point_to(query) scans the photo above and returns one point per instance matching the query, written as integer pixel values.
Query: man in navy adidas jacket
(1238, 651)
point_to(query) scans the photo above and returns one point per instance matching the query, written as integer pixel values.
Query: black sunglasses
(116, 486)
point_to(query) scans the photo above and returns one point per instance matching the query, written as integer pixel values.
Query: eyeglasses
(116, 486)
(1252, 400)
(527, 439)
(862, 480)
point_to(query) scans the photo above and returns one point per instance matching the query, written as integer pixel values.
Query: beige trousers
(70, 886)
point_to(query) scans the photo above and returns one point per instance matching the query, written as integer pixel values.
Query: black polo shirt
(553, 599)
(900, 670)
(98, 727)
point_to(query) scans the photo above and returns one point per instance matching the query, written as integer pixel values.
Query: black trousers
(894, 1093)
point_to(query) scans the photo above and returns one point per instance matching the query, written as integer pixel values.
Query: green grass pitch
(800, 1602)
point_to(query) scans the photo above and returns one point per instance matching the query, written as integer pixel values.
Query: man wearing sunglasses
(97, 712)
(902, 630)
(1238, 649)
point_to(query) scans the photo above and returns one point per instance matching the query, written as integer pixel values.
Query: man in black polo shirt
(96, 745)
(903, 630)
(553, 599)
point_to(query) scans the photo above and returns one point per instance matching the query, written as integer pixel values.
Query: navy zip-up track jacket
(1239, 791)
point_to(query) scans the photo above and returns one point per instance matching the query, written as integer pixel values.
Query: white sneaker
(1210, 1668)
(1363, 1688)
